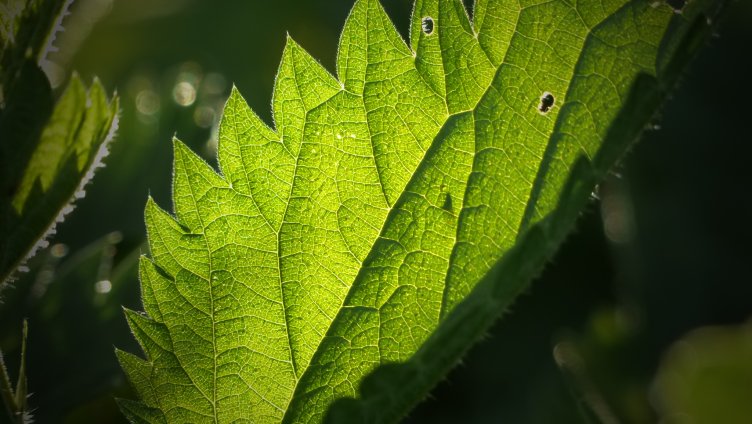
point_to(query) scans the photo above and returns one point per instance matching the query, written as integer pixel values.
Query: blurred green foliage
(50, 143)
(664, 251)
(707, 377)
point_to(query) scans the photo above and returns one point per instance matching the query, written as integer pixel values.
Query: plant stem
(7, 390)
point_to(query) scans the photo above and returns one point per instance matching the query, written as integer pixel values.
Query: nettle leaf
(71, 146)
(49, 148)
(394, 212)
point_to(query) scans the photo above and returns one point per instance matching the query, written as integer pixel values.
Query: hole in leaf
(427, 25)
(546, 102)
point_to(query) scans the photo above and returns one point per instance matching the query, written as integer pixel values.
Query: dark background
(665, 250)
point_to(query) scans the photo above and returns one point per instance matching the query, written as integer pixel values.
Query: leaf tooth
(151, 335)
(152, 281)
(97, 92)
(97, 101)
(75, 92)
(427, 47)
(422, 9)
(114, 105)
(138, 413)
(466, 67)
(351, 55)
(193, 187)
(301, 85)
(108, 107)
(93, 125)
(170, 368)
(242, 134)
(173, 247)
(368, 21)
(494, 23)
(138, 372)
(455, 9)
(254, 161)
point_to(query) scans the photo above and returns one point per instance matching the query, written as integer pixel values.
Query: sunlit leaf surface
(358, 231)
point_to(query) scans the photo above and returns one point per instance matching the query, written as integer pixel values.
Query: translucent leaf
(350, 255)
(70, 147)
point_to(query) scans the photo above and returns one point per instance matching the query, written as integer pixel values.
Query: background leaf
(49, 148)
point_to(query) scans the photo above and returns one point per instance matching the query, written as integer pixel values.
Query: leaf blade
(343, 239)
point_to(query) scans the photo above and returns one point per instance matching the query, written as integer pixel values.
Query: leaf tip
(179, 149)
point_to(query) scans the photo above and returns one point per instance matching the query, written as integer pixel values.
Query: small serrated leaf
(48, 149)
(69, 147)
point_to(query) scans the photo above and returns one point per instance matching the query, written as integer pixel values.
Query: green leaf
(28, 29)
(48, 149)
(392, 214)
(71, 145)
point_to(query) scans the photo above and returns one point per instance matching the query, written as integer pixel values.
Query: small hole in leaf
(546, 102)
(427, 25)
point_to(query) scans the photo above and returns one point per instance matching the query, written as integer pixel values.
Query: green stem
(15, 400)
(7, 390)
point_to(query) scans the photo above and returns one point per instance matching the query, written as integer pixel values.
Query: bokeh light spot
(147, 102)
(184, 93)
(103, 286)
